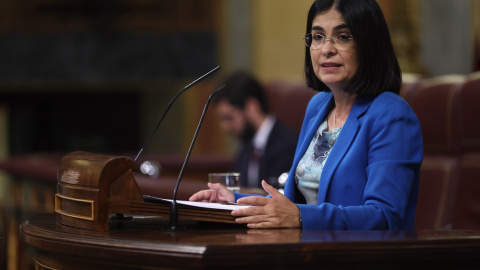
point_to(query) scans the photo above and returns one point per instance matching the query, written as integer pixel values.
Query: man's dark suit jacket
(276, 159)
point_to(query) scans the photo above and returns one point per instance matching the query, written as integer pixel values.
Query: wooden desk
(146, 244)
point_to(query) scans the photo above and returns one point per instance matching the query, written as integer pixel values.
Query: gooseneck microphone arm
(174, 209)
(170, 105)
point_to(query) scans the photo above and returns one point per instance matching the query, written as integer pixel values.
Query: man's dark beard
(248, 132)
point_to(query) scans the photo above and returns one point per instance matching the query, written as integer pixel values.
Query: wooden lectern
(92, 186)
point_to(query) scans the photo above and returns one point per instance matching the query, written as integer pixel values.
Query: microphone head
(219, 89)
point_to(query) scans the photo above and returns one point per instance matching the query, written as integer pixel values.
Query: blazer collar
(360, 106)
(343, 143)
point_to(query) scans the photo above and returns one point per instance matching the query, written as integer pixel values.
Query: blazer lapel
(313, 125)
(343, 143)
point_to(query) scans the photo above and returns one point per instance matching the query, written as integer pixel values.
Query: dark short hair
(238, 88)
(378, 69)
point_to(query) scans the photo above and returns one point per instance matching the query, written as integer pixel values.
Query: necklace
(335, 118)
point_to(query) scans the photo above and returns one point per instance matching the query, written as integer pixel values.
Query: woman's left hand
(275, 212)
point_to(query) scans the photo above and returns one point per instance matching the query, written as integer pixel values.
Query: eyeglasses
(341, 42)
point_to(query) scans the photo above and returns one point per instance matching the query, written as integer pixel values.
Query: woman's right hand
(216, 193)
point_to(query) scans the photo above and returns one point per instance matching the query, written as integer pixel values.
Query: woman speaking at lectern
(358, 157)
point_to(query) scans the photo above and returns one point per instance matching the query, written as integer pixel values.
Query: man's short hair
(239, 87)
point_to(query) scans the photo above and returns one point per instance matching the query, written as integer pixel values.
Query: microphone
(170, 105)
(174, 209)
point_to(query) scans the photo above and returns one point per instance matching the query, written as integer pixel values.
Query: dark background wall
(82, 74)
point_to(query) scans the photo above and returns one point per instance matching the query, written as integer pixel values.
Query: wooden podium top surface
(146, 243)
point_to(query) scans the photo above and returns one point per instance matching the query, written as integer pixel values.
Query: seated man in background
(267, 147)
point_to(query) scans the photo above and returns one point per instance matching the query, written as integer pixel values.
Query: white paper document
(211, 205)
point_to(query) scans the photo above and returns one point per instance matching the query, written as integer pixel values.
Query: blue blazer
(370, 179)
